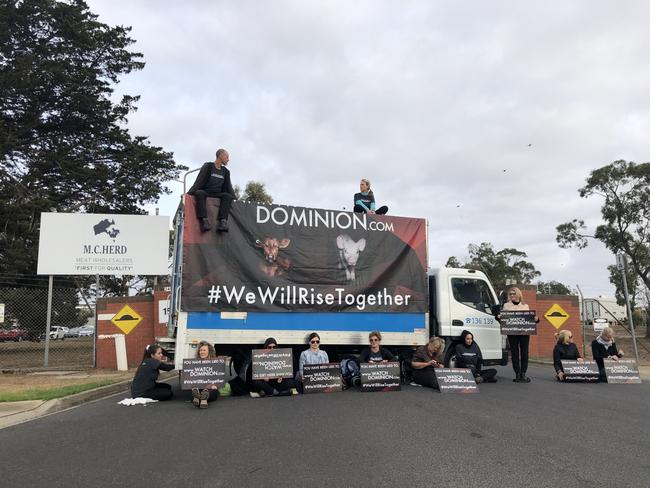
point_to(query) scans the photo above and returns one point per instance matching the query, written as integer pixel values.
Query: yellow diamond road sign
(556, 316)
(126, 319)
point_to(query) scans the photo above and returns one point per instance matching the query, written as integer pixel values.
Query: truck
(284, 272)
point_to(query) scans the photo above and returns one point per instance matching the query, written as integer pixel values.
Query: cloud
(429, 100)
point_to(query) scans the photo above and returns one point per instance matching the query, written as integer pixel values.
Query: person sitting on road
(425, 360)
(273, 386)
(313, 355)
(200, 398)
(213, 180)
(603, 347)
(375, 353)
(144, 383)
(564, 349)
(364, 201)
(468, 355)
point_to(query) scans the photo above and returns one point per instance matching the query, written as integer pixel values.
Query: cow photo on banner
(277, 258)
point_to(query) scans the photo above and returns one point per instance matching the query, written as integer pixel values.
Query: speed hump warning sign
(556, 316)
(126, 319)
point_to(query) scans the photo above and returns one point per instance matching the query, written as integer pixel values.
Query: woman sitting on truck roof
(469, 355)
(313, 355)
(564, 349)
(375, 353)
(200, 398)
(144, 383)
(603, 347)
(364, 201)
(274, 386)
(425, 360)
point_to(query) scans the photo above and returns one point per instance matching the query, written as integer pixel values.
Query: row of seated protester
(420, 368)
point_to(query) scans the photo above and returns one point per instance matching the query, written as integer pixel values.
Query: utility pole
(621, 262)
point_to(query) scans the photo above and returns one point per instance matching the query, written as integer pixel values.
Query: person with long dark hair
(469, 355)
(144, 383)
(364, 201)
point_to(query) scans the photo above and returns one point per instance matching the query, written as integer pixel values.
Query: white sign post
(2, 313)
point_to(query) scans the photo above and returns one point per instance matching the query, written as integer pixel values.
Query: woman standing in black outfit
(144, 383)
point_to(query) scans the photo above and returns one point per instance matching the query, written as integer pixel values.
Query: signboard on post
(103, 244)
(577, 371)
(599, 325)
(623, 371)
(456, 380)
(520, 322)
(272, 363)
(2, 313)
(380, 376)
(201, 373)
(163, 311)
(322, 378)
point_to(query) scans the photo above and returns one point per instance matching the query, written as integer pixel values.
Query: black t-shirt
(146, 376)
(422, 355)
(216, 179)
(367, 356)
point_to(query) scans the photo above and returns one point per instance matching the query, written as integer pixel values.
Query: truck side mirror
(496, 309)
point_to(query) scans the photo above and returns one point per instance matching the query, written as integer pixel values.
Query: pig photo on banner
(277, 258)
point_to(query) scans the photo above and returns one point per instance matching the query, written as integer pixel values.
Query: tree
(625, 188)
(553, 288)
(64, 144)
(502, 267)
(637, 292)
(256, 192)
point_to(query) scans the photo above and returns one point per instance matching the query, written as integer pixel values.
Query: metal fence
(23, 341)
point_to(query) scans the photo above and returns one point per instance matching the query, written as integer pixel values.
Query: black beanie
(268, 341)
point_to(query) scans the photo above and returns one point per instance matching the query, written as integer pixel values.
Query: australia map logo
(106, 227)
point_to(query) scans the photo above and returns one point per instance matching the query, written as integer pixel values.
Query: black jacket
(146, 376)
(469, 357)
(601, 352)
(564, 351)
(204, 176)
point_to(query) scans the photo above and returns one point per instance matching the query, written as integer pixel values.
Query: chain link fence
(23, 343)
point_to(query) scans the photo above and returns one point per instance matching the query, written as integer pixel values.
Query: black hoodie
(469, 356)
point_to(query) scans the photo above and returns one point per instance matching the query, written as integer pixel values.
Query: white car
(57, 332)
(87, 331)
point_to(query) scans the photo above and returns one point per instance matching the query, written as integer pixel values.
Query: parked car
(72, 333)
(87, 331)
(57, 332)
(13, 334)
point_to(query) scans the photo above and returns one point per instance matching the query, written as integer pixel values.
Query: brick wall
(144, 333)
(542, 344)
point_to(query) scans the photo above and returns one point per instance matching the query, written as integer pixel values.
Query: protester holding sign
(375, 353)
(518, 343)
(564, 349)
(273, 386)
(364, 201)
(425, 360)
(604, 347)
(201, 398)
(468, 355)
(144, 383)
(313, 355)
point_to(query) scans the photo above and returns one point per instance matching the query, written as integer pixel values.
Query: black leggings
(519, 351)
(161, 392)
(224, 206)
(425, 377)
(380, 211)
(488, 375)
(267, 387)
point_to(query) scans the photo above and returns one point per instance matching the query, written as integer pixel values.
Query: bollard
(120, 352)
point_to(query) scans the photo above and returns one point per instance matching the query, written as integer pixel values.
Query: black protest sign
(272, 363)
(518, 322)
(575, 371)
(623, 371)
(322, 378)
(202, 373)
(456, 380)
(380, 376)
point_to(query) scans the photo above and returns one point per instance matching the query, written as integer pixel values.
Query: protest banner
(623, 371)
(519, 322)
(272, 363)
(380, 376)
(456, 380)
(576, 371)
(201, 373)
(322, 378)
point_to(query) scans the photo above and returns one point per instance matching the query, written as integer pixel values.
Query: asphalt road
(542, 434)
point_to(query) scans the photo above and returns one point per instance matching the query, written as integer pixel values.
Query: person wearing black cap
(214, 181)
(275, 386)
(468, 355)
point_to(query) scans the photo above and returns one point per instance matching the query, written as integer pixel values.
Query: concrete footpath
(13, 413)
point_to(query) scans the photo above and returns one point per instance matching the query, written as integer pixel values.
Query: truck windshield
(474, 293)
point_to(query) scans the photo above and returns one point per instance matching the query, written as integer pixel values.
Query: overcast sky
(482, 117)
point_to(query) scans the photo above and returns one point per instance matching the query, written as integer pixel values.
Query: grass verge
(51, 393)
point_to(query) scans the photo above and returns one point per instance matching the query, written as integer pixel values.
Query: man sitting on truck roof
(214, 181)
